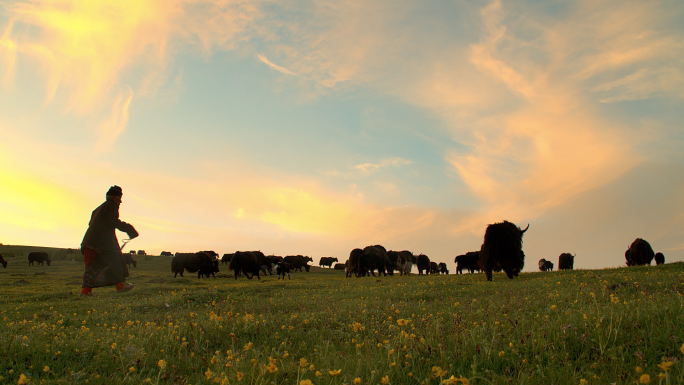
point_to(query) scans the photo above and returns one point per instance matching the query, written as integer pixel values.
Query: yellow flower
(131, 369)
(271, 367)
(385, 380)
(161, 364)
(662, 376)
(638, 369)
(114, 345)
(357, 381)
(501, 354)
(453, 381)
(553, 307)
(23, 379)
(438, 372)
(46, 369)
(248, 346)
(318, 373)
(614, 300)
(583, 382)
(403, 322)
(682, 349)
(303, 362)
(312, 367)
(335, 373)
(208, 373)
(239, 376)
(645, 379)
(305, 382)
(665, 365)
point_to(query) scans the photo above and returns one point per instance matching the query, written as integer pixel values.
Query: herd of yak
(501, 250)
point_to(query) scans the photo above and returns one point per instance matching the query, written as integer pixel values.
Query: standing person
(104, 264)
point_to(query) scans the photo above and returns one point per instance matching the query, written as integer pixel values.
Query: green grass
(540, 328)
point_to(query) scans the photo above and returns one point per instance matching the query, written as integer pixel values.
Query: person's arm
(113, 220)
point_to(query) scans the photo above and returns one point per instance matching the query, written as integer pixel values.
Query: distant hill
(56, 253)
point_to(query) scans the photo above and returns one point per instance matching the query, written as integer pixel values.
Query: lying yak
(402, 261)
(423, 264)
(2, 260)
(327, 261)
(375, 258)
(639, 253)
(659, 258)
(545, 265)
(200, 262)
(469, 261)
(39, 257)
(245, 262)
(283, 268)
(566, 261)
(339, 266)
(352, 264)
(503, 244)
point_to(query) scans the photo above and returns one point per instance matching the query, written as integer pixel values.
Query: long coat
(101, 238)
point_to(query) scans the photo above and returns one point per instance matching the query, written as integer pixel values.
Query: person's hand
(133, 233)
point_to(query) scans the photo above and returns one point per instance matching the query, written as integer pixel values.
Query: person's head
(115, 193)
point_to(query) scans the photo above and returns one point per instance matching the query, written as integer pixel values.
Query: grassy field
(621, 326)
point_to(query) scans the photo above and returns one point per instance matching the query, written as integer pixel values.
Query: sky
(315, 127)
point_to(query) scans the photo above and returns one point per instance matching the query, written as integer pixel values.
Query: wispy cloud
(368, 168)
(274, 66)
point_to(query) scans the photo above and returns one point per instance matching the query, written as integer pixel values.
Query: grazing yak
(297, 262)
(469, 261)
(352, 264)
(434, 268)
(142, 252)
(2, 260)
(225, 259)
(423, 264)
(166, 254)
(659, 258)
(545, 265)
(283, 268)
(443, 268)
(39, 257)
(339, 266)
(327, 261)
(402, 261)
(200, 262)
(375, 258)
(566, 261)
(246, 262)
(128, 259)
(639, 253)
(503, 244)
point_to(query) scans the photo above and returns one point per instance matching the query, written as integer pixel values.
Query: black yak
(443, 268)
(402, 261)
(327, 261)
(297, 262)
(39, 257)
(283, 268)
(352, 264)
(166, 254)
(469, 261)
(423, 264)
(566, 261)
(339, 266)
(245, 262)
(639, 253)
(503, 244)
(2, 260)
(225, 259)
(142, 252)
(128, 259)
(434, 268)
(199, 262)
(375, 257)
(545, 265)
(659, 258)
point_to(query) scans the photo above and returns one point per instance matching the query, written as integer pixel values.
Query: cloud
(368, 168)
(274, 66)
(116, 124)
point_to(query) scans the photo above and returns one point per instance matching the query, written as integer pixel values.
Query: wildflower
(638, 369)
(248, 346)
(553, 307)
(583, 382)
(438, 372)
(271, 367)
(614, 299)
(46, 369)
(662, 376)
(645, 379)
(148, 380)
(501, 353)
(303, 362)
(665, 365)
(682, 349)
(312, 367)
(453, 381)
(114, 345)
(335, 373)
(161, 364)
(403, 322)
(357, 381)
(305, 382)
(318, 373)
(286, 354)
(239, 376)
(23, 379)
(385, 380)
(131, 369)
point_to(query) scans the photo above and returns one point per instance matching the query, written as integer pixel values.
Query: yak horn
(528, 226)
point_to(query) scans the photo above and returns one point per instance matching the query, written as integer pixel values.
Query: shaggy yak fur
(443, 268)
(200, 262)
(2, 260)
(245, 262)
(423, 264)
(639, 253)
(39, 257)
(469, 261)
(434, 268)
(375, 258)
(566, 261)
(353, 263)
(339, 266)
(659, 257)
(297, 262)
(545, 265)
(327, 261)
(503, 244)
(402, 261)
